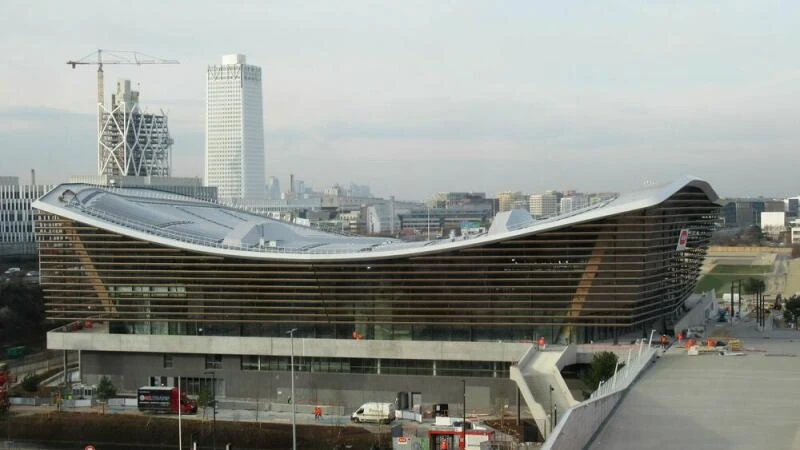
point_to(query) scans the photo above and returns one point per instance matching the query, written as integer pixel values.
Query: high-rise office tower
(273, 189)
(235, 131)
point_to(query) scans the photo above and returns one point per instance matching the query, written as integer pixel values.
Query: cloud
(418, 97)
(56, 143)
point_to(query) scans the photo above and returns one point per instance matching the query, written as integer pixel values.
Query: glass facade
(493, 369)
(583, 281)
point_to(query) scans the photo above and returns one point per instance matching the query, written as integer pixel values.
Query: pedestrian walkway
(712, 401)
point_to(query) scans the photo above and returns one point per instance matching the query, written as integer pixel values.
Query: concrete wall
(744, 250)
(576, 429)
(128, 371)
(330, 348)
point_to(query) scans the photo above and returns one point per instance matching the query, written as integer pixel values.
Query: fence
(579, 424)
(44, 361)
(623, 377)
(508, 445)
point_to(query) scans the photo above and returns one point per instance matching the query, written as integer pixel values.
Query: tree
(752, 235)
(205, 398)
(22, 313)
(602, 368)
(754, 286)
(105, 389)
(30, 383)
(791, 310)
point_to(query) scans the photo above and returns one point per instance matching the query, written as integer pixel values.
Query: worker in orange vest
(664, 341)
(443, 445)
(541, 342)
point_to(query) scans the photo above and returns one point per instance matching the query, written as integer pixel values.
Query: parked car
(32, 276)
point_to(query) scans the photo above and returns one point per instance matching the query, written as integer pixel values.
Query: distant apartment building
(795, 228)
(573, 202)
(513, 200)
(544, 205)
(359, 190)
(742, 213)
(17, 216)
(235, 131)
(378, 218)
(774, 206)
(439, 222)
(773, 223)
(465, 201)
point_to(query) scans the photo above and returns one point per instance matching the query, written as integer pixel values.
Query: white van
(374, 412)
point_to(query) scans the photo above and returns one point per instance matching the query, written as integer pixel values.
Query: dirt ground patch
(161, 432)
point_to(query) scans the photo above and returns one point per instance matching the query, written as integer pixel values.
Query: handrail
(635, 363)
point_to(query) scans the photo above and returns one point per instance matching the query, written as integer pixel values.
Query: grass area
(741, 270)
(709, 282)
(721, 276)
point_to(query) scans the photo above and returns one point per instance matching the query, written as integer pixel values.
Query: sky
(418, 97)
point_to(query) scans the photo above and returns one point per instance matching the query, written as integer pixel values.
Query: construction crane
(101, 57)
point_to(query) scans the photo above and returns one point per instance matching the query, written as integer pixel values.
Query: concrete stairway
(539, 380)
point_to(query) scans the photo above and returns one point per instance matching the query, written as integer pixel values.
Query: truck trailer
(163, 399)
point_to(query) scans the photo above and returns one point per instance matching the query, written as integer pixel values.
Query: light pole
(464, 421)
(180, 407)
(214, 406)
(551, 407)
(294, 403)
(664, 295)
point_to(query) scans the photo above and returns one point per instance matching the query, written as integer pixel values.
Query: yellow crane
(101, 57)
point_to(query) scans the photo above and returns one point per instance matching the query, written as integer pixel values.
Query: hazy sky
(418, 97)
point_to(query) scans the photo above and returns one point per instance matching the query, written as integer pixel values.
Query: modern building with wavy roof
(177, 287)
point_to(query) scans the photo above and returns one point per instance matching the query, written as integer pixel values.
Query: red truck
(164, 399)
(5, 383)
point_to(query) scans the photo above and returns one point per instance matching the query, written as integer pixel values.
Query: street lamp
(551, 407)
(464, 421)
(665, 293)
(294, 403)
(213, 405)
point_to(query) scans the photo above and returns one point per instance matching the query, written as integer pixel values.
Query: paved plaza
(714, 402)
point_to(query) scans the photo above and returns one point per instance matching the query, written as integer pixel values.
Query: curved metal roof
(182, 222)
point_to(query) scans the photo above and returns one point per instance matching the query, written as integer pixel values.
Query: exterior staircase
(539, 380)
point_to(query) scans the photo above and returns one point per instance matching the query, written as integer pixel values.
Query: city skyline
(415, 99)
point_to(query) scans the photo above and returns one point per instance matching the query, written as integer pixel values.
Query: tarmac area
(749, 401)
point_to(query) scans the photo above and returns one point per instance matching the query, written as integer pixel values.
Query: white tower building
(235, 131)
